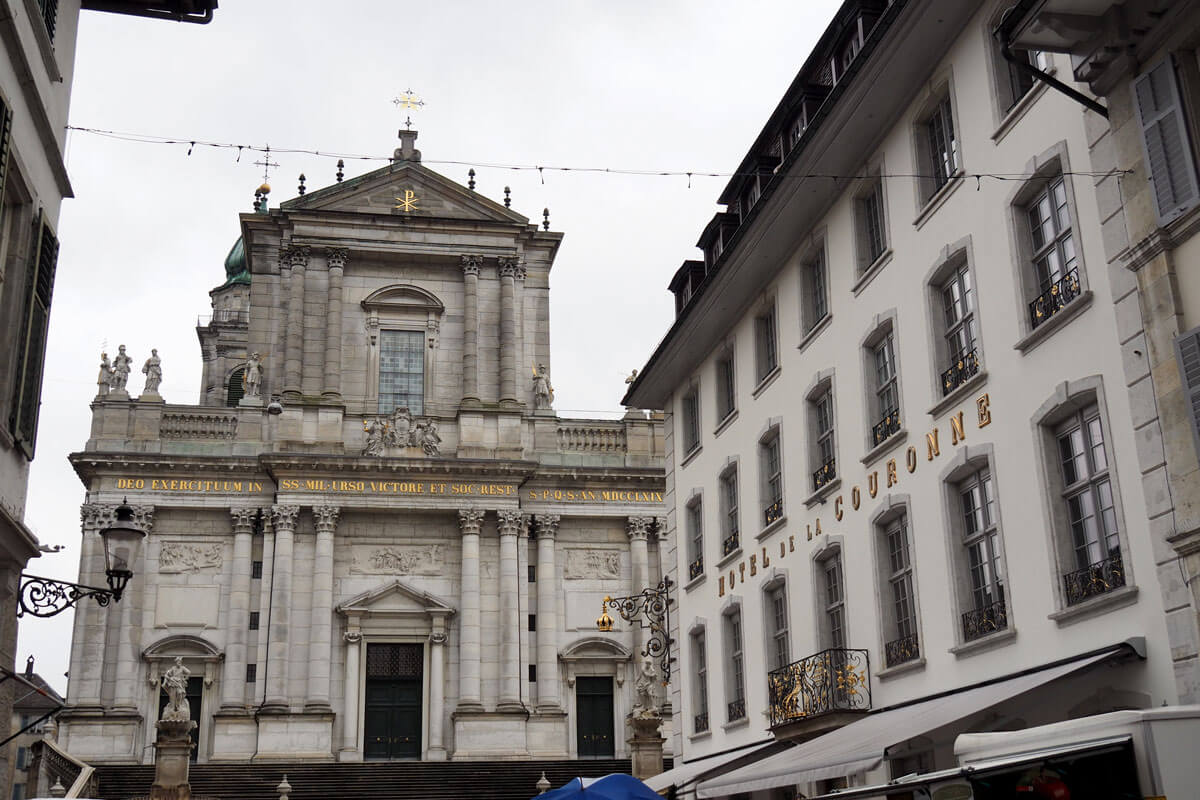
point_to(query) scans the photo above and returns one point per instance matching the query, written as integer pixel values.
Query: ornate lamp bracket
(652, 609)
(45, 597)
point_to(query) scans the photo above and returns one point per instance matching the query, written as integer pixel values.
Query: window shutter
(1169, 162)
(1187, 350)
(5, 136)
(31, 341)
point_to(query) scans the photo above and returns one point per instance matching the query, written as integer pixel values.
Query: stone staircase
(394, 780)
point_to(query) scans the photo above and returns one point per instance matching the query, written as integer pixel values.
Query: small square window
(532, 573)
(251, 673)
(254, 618)
(256, 569)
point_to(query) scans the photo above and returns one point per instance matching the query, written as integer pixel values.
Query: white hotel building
(903, 463)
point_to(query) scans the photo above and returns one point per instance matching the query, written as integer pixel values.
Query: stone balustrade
(592, 436)
(198, 426)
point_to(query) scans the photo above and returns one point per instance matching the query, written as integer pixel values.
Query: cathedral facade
(373, 537)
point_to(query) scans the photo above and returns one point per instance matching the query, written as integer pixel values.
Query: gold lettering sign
(190, 485)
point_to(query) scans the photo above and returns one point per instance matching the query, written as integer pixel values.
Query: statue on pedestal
(647, 677)
(252, 377)
(174, 683)
(152, 369)
(104, 380)
(120, 370)
(543, 392)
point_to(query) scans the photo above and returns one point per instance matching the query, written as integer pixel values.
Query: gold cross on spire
(266, 164)
(409, 101)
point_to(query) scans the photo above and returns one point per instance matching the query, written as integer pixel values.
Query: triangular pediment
(405, 189)
(396, 597)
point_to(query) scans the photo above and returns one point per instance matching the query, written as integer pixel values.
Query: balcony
(831, 681)
(736, 710)
(700, 723)
(773, 512)
(1054, 299)
(1095, 579)
(696, 568)
(826, 473)
(886, 427)
(965, 367)
(731, 543)
(902, 650)
(980, 622)
(225, 316)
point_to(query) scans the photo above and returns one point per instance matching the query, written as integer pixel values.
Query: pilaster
(548, 698)
(233, 681)
(284, 519)
(638, 529)
(508, 525)
(353, 640)
(320, 631)
(87, 655)
(129, 652)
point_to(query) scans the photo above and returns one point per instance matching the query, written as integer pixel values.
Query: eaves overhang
(904, 47)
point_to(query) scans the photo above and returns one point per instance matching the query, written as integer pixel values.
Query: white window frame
(694, 516)
(725, 385)
(766, 343)
(689, 419)
(777, 616)
(770, 469)
(735, 665)
(729, 508)
(699, 647)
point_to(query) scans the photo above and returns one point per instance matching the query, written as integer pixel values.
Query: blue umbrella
(617, 786)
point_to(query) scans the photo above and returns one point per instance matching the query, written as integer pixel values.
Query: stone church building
(373, 537)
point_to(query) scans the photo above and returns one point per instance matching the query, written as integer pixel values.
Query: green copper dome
(235, 265)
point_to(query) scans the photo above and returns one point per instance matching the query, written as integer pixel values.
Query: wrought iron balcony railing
(700, 723)
(981, 621)
(1054, 299)
(696, 568)
(825, 682)
(902, 650)
(1094, 579)
(773, 512)
(887, 426)
(965, 367)
(736, 710)
(826, 473)
(730, 544)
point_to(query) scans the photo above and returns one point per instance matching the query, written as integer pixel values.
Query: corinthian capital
(94, 516)
(471, 264)
(284, 517)
(243, 519)
(639, 527)
(336, 257)
(294, 256)
(143, 517)
(547, 525)
(508, 266)
(325, 518)
(470, 519)
(509, 522)
(660, 527)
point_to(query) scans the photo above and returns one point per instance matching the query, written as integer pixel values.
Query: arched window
(236, 389)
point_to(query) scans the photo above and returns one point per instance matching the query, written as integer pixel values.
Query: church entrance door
(392, 723)
(594, 716)
(195, 693)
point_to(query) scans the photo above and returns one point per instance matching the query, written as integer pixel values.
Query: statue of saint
(104, 381)
(174, 683)
(252, 377)
(647, 677)
(120, 370)
(430, 441)
(376, 431)
(543, 392)
(152, 369)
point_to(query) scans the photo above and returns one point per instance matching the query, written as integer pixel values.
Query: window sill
(819, 495)
(938, 199)
(45, 44)
(699, 737)
(774, 526)
(895, 440)
(871, 271)
(691, 454)
(1014, 114)
(696, 581)
(737, 723)
(1097, 605)
(725, 423)
(814, 332)
(767, 380)
(984, 643)
(729, 559)
(901, 669)
(955, 397)
(1069, 312)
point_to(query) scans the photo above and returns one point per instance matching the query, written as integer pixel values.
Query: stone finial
(471, 179)
(471, 264)
(507, 197)
(283, 788)
(243, 519)
(57, 790)
(547, 525)
(341, 165)
(300, 188)
(546, 219)
(543, 784)
(639, 527)
(509, 522)
(325, 518)
(407, 150)
(284, 516)
(470, 519)
(336, 257)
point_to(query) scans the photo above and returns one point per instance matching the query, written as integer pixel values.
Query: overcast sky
(664, 85)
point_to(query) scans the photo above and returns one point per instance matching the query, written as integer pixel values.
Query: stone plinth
(172, 755)
(646, 745)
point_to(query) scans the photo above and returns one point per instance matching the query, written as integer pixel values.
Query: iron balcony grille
(773, 512)
(700, 723)
(831, 680)
(887, 426)
(736, 710)
(965, 367)
(902, 650)
(980, 622)
(1054, 299)
(1095, 579)
(826, 473)
(696, 568)
(730, 544)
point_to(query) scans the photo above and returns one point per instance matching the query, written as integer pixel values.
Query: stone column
(469, 520)
(470, 268)
(278, 636)
(233, 680)
(523, 385)
(264, 606)
(336, 258)
(320, 633)
(547, 614)
(508, 344)
(297, 258)
(87, 654)
(639, 558)
(437, 694)
(129, 651)
(352, 638)
(509, 525)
